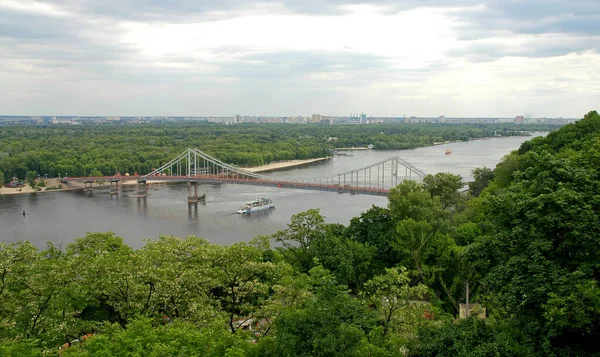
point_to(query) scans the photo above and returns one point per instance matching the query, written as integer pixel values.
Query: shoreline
(274, 166)
(71, 186)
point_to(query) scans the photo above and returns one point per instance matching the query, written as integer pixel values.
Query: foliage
(525, 240)
(396, 300)
(105, 149)
(329, 324)
(466, 338)
(445, 186)
(304, 230)
(540, 265)
(375, 228)
(31, 177)
(26, 348)
(482, 176)
(143, 337)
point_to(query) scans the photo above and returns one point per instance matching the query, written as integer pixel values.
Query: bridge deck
(254, 182)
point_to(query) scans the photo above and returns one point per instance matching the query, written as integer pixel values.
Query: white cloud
(34, 7)
(410, 38)
(265, 58)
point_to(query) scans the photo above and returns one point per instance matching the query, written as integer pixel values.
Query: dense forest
(524, 238)
(104, 149)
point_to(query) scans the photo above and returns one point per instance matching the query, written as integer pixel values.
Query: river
(59, 217)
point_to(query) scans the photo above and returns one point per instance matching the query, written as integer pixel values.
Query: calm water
(60, 217)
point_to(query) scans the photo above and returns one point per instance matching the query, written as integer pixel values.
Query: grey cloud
(574, 26)
(483, 52)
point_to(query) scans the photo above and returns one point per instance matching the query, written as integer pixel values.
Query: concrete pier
(86, 187)
(142, 189)
(192, 191)
(114, 187)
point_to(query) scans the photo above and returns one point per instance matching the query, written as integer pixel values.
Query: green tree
(176, 274)
(466, 338)
(410, 200)
(348, 260)
(2, 179)
(144, 337)
(304, 230)
(540, 265)
(31, 177)
(444, 185)
(376, 228)
(331, 323)
(482, 176)
(242, 280)
(396, 300)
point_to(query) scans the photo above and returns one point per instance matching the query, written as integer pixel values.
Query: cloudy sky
(299, 57)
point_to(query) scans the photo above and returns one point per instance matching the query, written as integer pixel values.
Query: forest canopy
(104, 149)
(392, 282)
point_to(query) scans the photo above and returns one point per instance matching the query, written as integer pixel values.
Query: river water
(59, 217)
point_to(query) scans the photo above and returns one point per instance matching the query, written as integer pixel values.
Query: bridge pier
(85, 185)
(114, 187)
(142, 188)
(192, 191)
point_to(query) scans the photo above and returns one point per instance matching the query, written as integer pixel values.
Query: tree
(299, 238)
(31, 177)
(242, 280)
(410, 200)
(444, 185)
(348, 260)
(482, 176)
(424, 245)
(1, 179)
(468, 337)
(376, 228)
(540, 265)
(120, 294)
(176, 273)
(143, 337)
(395, 298)
(330, 323)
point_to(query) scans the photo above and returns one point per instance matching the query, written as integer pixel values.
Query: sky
(458, 58)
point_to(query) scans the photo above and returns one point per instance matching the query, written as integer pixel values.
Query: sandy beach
(274, 166)
(71, 186)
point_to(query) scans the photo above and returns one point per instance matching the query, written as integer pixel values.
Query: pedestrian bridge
(194, 166)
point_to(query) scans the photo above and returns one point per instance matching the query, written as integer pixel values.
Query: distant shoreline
(71, 186)
(78, 186)
(274, 166)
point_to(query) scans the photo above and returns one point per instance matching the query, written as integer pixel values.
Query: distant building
(442, 119)
(519, 119)
(474, 310)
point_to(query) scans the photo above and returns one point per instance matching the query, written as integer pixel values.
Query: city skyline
(500, 59)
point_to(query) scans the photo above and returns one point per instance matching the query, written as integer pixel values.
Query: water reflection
(256, 215)
(142, 205)
(193, 210)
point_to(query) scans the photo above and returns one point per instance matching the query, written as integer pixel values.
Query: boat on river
(259, 204)
(448, 151)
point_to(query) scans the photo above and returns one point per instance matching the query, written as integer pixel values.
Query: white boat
(259, 204)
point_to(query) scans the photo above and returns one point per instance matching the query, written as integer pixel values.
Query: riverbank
(353, 148)
(274, 166)
(29, 189)
(74, 185)
(70, 186)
